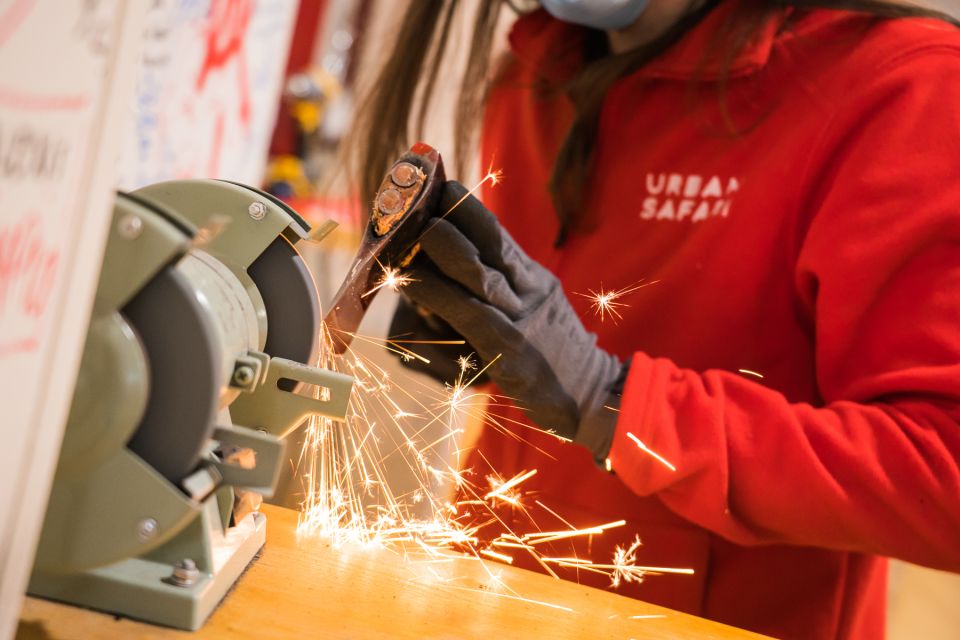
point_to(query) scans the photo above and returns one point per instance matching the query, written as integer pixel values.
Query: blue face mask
(606, 15)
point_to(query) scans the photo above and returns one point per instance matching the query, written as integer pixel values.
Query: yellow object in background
(308, 94)
(286, 177)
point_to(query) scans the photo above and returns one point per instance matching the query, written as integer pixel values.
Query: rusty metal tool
(405, 202)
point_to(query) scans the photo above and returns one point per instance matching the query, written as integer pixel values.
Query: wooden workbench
(306, 589)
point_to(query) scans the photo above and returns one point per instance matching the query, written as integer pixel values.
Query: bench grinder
(196, 364)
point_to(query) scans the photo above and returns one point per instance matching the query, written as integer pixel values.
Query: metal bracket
(279, 411)
(322, 230)
(264, 452)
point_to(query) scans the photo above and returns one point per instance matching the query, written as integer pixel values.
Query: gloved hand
(475, 277)
(431, 338)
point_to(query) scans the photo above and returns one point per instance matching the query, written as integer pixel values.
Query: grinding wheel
(290, 298)
(183, 358)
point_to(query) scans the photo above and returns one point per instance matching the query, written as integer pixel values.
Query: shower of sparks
(351, 499)
(751, 373)
(650, 451)
(606, 303)
(429, 507)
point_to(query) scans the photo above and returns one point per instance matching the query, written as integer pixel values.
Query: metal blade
(405, 202)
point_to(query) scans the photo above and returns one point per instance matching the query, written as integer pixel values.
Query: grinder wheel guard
(405, 202)
(181, 413)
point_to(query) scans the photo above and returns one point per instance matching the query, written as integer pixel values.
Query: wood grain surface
(303, 588)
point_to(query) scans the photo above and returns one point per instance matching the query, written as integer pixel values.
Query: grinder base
(141, 588)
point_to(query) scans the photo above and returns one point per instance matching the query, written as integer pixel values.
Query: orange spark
(497, 556)
(500, 491)
(606, 303)
(392, 279)
(650, 451)
(550, 536)
(493, 177)
(466, 363)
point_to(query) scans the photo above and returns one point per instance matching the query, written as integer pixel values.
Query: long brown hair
(386, 121)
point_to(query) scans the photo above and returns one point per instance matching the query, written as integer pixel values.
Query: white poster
(208, 90)
(66, 83)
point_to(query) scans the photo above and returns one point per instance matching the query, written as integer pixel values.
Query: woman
(785, 172)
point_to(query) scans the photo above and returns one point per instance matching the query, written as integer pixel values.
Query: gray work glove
(474, 276)
(430, 337)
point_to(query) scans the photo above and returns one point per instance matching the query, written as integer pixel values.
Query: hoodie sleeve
(875, 468)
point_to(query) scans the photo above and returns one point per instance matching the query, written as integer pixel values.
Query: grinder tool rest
(196, 364)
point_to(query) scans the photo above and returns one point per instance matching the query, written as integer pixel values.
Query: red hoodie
(819, 247)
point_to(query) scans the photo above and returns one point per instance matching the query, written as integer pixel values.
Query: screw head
(243, 376)
(147, 529)
(185, 573)
(257, 210)
(390, 201)
(404, 174)
(130, 226)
